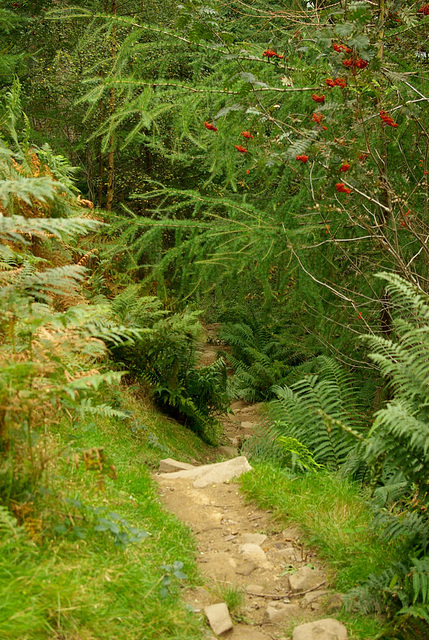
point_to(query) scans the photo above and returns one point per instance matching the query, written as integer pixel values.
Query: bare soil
(221, 521)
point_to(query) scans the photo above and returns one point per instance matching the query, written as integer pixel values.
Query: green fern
(397, 448)
(301, 455)
(261, 357)
(163, 354)
(320, 412)
(8, 524)
(400, 433)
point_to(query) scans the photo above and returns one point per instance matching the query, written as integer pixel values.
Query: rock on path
(239, 547)
(212, 473)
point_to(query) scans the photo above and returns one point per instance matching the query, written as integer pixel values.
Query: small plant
(233, 597)
(171, 571)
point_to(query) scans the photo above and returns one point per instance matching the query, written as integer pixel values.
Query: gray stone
(334, 602)
(288, 553)
(279, 613)
(213, 473)
(314, 599)
(245, 568)
(326, 629)
(254, 553)
(219, 618)
(255, 588)
(305, 578)
(168, 465)
(253, 538)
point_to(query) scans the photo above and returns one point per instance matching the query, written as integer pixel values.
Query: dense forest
(263, 167)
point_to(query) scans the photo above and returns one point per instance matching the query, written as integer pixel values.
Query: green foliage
(261, 356)
(301, 457)
(397, 449)
(322, 502)
(164, 355)
(256, 214)
(59, 575)
(319, 411)
(10, 61)
(53, 355)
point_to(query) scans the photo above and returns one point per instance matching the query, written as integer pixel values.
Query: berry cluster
(387, 119)
(336, 82)
(339, 48)
(269, 53)
(359, 63)
(341, 187)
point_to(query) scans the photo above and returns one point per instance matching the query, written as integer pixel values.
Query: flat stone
(313, 600)
(247, 425)
(287, 553)
(168, 465)
(305, 578)
(219, 618)
(326, 629)
(334, 602)
(279, 613)
(250, 408)
(255, 588)
(239, 405)
(245, 568)
(253, 538)
(254, 553)
(213, 473)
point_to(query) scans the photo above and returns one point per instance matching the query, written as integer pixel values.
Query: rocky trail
(244, 553)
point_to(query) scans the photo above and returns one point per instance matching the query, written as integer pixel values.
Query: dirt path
(242, 550)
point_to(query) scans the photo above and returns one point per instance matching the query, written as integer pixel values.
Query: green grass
(233, 596)
(334, 519)
(62, 578)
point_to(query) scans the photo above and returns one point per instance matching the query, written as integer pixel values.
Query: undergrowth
(332, 514)
(67, 572)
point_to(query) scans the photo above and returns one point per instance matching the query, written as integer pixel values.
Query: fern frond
(311, 411)
(8, 524)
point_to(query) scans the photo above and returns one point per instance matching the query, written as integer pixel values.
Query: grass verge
(97, 556)
(335, 520)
